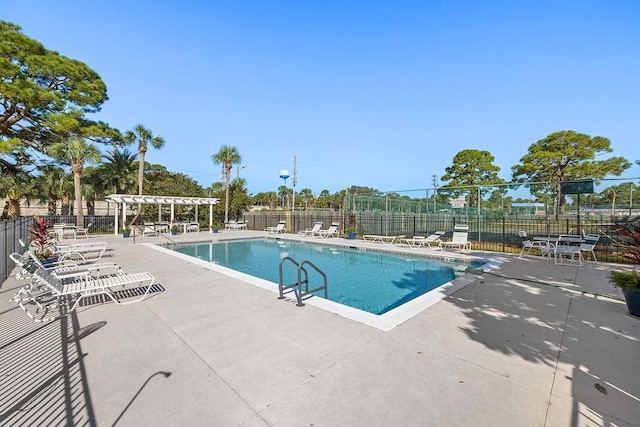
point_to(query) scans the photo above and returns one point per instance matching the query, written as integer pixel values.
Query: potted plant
(351, 227)
(215, 227)
(351, 232)
(41, 237)
(126, 230)
(174, 229)
(629, 281)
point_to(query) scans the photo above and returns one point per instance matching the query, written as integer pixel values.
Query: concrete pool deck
(529, 344)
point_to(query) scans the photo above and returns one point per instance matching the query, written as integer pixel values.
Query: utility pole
(293, 181)
(434, 181)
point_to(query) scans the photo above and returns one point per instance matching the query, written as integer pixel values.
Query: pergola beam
(124, 199)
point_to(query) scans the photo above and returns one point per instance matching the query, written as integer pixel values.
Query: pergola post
(210, 218)
(116, 219)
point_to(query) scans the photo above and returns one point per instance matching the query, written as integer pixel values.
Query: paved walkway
(522, 345)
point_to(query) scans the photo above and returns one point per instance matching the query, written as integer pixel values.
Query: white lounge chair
(332, 231)
(419, 241)
(29, 262)
(460, 238)
(193, 227)
(311, 231)
(528, 244)
(280, 228)
(83, 251)
(83, 286)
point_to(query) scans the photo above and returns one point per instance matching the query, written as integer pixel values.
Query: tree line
(50, 150)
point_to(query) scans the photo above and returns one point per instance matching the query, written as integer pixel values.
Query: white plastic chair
(460, 238)
(311, 231)
(528, 244)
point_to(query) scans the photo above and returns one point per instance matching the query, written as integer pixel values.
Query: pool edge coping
(386, 321)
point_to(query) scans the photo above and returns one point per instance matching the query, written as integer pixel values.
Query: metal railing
(301, 287)
(10, 233)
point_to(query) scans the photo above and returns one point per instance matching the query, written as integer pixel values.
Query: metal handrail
(297, 286)
(282, 287)
(308, 291)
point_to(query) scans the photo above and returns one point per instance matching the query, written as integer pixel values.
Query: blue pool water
(371, 281)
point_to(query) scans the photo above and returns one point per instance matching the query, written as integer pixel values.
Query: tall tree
(76, 152)
(227, 157)
(307, 197)
(44, 97)
(161, 181)
(15, 187)
(144, 137)
(470, 168)
(284, 193)
(119, 171)
(564, 156)
(239, 198)
(51, 186)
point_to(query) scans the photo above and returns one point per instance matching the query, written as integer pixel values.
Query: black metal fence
(10, 233)
(489, 234)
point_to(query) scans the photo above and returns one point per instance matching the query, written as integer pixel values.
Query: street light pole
(238, 170)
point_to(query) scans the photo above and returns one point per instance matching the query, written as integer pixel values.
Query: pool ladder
(301, 287)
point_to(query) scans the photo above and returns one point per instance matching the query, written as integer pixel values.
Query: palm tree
(284, 192)
(227, 156)
(14, 187)
(144, 137)
(307, 197)
(51, 184)
(119, 171)
(76, 151)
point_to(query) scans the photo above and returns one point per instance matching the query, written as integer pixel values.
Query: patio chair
(83, 230)
(528, 244)
(332, 231)
(589, 245)
(460, 238)
(570, 246)
(280, 228)
(149, 229)
(193, 227)
(311, 231)
(84, 286)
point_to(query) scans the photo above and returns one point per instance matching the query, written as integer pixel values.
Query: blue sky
(369, 93)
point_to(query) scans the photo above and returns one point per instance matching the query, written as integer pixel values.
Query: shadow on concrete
(43, 378)
(588, 339)
(135, 396)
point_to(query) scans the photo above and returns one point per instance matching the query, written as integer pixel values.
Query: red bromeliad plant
(40, 237)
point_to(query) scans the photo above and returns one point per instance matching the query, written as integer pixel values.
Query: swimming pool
(375, 282)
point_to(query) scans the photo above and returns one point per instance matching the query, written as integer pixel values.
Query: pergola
(124, 199)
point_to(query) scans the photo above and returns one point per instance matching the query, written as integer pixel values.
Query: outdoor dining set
(565, 246)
